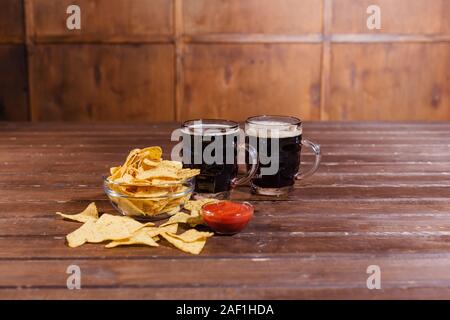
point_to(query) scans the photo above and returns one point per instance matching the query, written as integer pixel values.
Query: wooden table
(381, 197)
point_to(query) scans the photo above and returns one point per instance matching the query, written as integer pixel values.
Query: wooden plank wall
(13, 71)
(161, 60)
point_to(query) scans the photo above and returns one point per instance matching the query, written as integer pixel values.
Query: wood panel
(236, 81)
(227, 59)
(11, 21)
(13, 83)
(253, 16)
(390, 82)
(104, 20)
(102, 82)
(219, 293)
(399, 16)
(302, 271)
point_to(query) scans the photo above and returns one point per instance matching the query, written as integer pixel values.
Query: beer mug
(212, 146)
(278, 141)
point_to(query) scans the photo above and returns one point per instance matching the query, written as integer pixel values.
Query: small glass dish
(149, 202)
(227, 217)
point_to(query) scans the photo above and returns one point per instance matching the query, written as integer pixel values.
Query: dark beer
(278, 141)
(288, 149)
(203, 139)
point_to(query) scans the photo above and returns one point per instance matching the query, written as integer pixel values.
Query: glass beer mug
(278, 141)
(212, 146)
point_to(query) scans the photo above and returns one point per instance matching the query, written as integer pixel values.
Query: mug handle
(316, 149)
(253, 157)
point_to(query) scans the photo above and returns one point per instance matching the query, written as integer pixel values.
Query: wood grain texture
(390, 82)
(398, 17)
(237, 81)
(380, 197)
(314, 59)
(220, 293)
(252, 16)
(13, 83)
(107, 82)
(325, 65)
(306, 273)
(104, 20)
(11, 21)
(179, 49)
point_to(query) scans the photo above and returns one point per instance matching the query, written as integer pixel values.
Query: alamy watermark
(374, 280)
(73, 281)
(374, 20)
(73, 21)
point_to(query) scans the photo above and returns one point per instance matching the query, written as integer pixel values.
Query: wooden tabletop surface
(381, 197)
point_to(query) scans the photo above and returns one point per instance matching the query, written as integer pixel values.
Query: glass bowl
(227, 217)
(149, 202)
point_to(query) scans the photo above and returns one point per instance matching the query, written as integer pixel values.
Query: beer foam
(203, 129)
(272, 129)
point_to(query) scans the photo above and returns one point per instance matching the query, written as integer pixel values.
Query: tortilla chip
(107, 227)
(185, 218)
(151, 163)
(180, 217)
(90, 213)
(150, 192)
(158, 173)
(195, 206)
(172, 164)
(130, 208)
(139, 237)
(193, 235)
(113, 170)
(79, 236)
(153, 153)
(125, 179)
(156, 231)
(188, 173)
(190, 247)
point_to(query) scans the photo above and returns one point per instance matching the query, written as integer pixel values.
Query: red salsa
(227, 217)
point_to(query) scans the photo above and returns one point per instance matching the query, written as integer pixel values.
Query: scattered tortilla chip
(180, 217)
(145, 235)
(190, 247)
(122, 231)
(194, 206)
(139, 237)
(196, 221)
(90, 213)
(193, 235)
(118, 227)
(107, 227)
(156, 231)
(80, 236)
